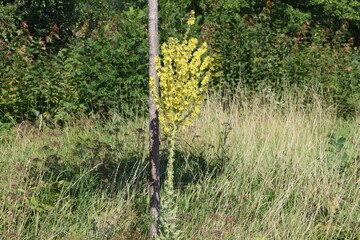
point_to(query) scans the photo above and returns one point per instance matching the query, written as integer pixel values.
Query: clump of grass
(254, 169)
(77, 182)
(280, 180)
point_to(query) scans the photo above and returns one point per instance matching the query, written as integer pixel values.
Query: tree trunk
(154, 121)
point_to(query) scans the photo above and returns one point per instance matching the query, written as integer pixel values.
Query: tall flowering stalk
(184, 72)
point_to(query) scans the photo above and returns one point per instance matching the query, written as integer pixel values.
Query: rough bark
(154, 122)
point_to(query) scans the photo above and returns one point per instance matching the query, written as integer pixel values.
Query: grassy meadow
(246, 169)
(273, 155)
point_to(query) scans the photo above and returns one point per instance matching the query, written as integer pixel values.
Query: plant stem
(168, 205)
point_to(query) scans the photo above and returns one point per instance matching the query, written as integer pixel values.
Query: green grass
(244, 170)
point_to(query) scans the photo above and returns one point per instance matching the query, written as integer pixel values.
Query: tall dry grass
(282, 178)
(250, 169)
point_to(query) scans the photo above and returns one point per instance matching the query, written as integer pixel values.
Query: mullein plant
(184, 72)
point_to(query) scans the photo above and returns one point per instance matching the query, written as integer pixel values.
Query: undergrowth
(256, 169)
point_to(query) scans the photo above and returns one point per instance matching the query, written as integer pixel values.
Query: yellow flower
(184, 73)
(191, 21)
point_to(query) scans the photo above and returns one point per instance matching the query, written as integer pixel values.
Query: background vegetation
(274, 155)
(60, 57)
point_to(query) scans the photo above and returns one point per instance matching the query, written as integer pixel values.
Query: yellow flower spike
(183, 72)
(191, 21)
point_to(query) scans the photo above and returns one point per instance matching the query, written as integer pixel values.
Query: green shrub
(254, 55)
(108, 65)
(102, 69)
(102, 65)
(32, 81)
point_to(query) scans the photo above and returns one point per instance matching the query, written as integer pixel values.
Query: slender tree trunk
(154, 122)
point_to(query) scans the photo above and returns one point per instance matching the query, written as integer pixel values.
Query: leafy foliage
(32, 79)
(87, 75)
(109, 64)
(254, 55)
(61, 57)
(43, 15)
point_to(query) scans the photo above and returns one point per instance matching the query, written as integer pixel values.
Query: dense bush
(31, 81)
(255, 56)
(98, 62)
(100, 69)
(108, 65)
(42, 15)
